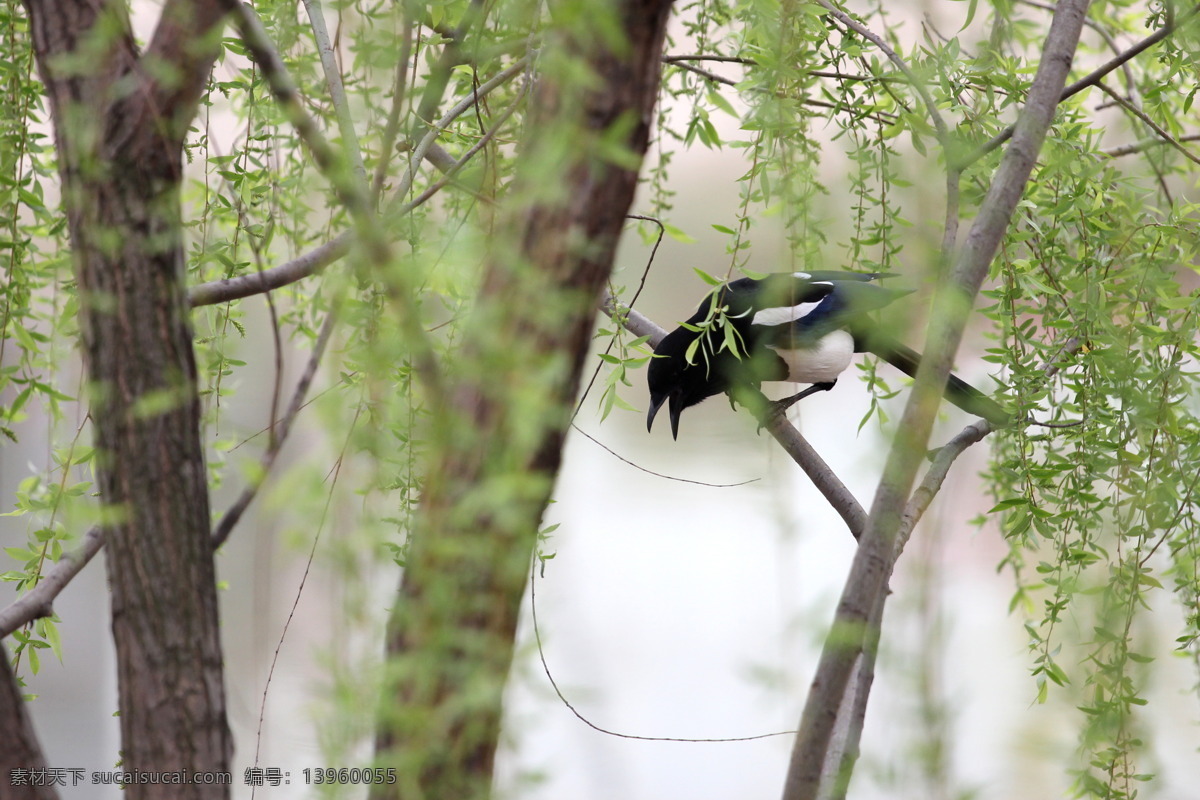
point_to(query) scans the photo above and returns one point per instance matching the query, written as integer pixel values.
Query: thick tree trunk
(498, 436)
(21, 754)
(119, 134)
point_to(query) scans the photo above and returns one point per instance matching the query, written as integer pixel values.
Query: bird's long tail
(958, 391)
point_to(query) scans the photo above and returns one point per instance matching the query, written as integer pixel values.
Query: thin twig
(931, 108)
(1145, 144)
(878, 116)
(391, 129)
(1151, 124)
(637, 466)
(459, 108)
(1091, 79)
(234, 513)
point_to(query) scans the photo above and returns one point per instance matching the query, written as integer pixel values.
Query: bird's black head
(672, 380)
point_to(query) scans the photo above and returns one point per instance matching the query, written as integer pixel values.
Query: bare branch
(820, 473)
(283, 428)
(207, 294)
(333, 79)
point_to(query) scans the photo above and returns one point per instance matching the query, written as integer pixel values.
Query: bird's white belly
(821, 363)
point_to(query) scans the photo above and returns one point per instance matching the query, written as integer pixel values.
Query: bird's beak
(676, 408)
(656, 402)
(676, 405)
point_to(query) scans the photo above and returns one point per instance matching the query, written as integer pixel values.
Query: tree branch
(179, 58)
(1166, 137)
(234, 513)
(1091, 79)
(38, 601)
(226, 289)
(1146, 144)
(221, 291)
(857, 620)
(931, 109)
(936, 476)
(351, 188)
(333, 79)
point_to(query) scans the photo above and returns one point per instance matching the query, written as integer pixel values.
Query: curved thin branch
(936, 476)
(234, 513)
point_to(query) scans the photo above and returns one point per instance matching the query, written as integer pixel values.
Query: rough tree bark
(120, 119)
(820, 765)
(21, 750)
(500, 430)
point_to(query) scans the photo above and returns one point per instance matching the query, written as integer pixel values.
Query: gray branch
(859, 612)
(38, 601)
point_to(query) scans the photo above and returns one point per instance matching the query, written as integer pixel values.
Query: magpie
(803, 328)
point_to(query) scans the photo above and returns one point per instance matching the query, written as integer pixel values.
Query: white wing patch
(821, 363)
(783, 314)
(801, 275)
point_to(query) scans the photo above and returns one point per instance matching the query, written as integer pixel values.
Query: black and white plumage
(804, 327)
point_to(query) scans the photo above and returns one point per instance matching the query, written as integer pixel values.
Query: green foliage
(1091, 303)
